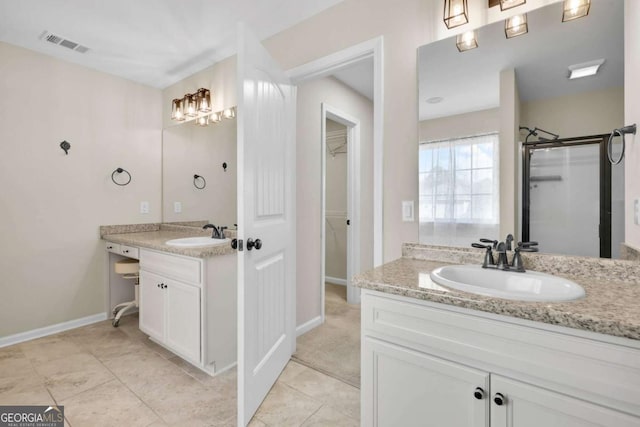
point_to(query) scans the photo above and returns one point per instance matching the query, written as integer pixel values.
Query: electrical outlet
(177, 207)
(636, 211)
(144, 207)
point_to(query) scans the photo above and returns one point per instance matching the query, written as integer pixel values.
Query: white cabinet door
(402, 387)
(183, 319)
(529, 406)
(152, 305)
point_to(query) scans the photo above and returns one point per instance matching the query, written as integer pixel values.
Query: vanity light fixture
(177, 112)
(584, 69)
(215, 117)
(516, 26)
(229, 113)
(456, 13)
(202, 121)
(203, 100)
(466, 41)
(189, 105)
(574, 9)
(509, 4)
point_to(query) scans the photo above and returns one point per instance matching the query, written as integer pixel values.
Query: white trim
(307, 326)
(328, 65)
(50, 330)
(335, 281)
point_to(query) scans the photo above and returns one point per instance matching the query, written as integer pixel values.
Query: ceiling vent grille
(61, 41)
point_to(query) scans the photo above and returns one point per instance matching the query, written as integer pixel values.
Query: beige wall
(336, 206)
(460, 125)
(631, 116)
(309, 172)
(509, 115)
(51, 258)
(589, 113)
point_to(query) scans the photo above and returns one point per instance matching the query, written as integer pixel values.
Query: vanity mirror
(208, 152)
(479, 107)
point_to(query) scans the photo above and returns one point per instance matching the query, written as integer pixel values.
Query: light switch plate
(144, 207)
(177, 207)
(407, 211)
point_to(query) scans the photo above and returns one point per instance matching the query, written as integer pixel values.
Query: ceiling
(358, 77)
(154, 42)
(469, 81)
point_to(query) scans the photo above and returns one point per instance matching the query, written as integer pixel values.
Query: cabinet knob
(158, 284)
(126, 251)
(478, 393)
(499, 399)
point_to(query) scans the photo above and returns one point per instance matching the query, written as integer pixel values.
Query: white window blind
(459, 190)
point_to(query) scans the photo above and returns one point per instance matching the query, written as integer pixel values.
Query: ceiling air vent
(61, 41)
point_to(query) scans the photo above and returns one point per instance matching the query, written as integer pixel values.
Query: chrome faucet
(501, 249)
(217, 232)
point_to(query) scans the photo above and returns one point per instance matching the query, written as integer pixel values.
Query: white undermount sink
(200, 241)
(528, 286)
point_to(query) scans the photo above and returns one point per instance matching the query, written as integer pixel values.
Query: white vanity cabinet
(427, 364)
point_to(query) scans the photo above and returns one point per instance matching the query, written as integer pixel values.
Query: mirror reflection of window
(459, 190)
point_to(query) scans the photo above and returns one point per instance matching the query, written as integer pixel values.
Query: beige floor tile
(73, 374)
(28, 389)
(255, 422)
(329, 391)
(112, 344)
(49, 348)
(327, 416)
(142, 370)
(158, 349)
(13, 362)
(109, 404)
(285, 406)
(291, 370)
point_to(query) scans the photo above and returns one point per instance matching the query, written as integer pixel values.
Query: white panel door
(152, 307)
(403, 387)
(183, 319)
(524, 405)
(266, 211)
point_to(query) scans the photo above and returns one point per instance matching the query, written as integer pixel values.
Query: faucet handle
(480, 246)
(527, 246)
(493, 242)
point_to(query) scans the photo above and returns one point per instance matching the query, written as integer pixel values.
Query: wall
(51, 257)
(509, 183)
(631, 116)
(460, 125)
(336, 204)
(309, 217)
(189, 149)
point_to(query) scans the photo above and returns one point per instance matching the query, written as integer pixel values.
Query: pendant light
(516, 26)
(456, 13)
(189, 105)
(574, 9)
(509, 4)
(177, 112)
(203, 100)
(466, 41)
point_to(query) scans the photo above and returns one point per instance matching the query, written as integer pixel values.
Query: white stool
(129, 268)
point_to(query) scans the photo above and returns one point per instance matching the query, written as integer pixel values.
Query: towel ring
(119, 171)
(195, 181)
(621, 132)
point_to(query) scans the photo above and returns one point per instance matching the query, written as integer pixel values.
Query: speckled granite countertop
(154, 236)
(610, 307)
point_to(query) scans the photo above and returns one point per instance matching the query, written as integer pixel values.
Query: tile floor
(107, 376)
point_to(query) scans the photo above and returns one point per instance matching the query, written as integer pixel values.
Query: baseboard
(335, 281)
(50, 330)
(307, 326)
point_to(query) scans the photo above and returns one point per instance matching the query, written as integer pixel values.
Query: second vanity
(187, 296)
(432, 356)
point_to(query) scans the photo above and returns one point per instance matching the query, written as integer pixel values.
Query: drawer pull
(478, 393)
(499, 399)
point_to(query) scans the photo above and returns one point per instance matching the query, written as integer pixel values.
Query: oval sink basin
(200, 241)
(529, 286)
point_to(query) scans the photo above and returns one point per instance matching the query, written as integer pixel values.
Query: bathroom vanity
(187, 295)
(439, 357)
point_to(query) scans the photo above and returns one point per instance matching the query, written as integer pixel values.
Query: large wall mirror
(189, 150)
(510, 144)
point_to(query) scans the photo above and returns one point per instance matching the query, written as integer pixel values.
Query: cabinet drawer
(112, 247)
(184, 269)
(129, 251)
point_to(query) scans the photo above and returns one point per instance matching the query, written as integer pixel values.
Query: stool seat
(127, 266)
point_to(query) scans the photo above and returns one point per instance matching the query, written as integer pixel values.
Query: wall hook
(224, 166)
(119, 171)
(65, 146)
(195, 181)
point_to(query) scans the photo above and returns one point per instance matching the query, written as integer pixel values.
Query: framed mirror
(478, 108)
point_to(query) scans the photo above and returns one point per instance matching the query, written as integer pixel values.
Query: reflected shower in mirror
(208, 152)
(519, 90)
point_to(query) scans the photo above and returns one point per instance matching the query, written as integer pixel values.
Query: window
(459, 190)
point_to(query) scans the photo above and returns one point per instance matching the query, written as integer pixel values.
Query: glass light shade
(229, 113)
(202, 121)
(189, 105)
(215, 117)
(203, 100)
(177, 112)
(456, 13)
(574, 9)
(516, 26)
(466, 41)
(508, 4)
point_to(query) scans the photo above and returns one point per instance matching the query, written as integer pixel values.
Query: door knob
(234, 243)
(254, 244)
(478, 393)
(499, 399)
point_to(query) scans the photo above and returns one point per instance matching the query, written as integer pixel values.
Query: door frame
(353, 199)
(605, 183)
(328, 65)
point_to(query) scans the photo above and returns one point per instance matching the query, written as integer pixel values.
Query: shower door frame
(605, 184)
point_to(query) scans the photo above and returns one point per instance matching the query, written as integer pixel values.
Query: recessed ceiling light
(435, 100)
(585, 69)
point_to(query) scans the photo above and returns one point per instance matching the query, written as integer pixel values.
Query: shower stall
(568, 205)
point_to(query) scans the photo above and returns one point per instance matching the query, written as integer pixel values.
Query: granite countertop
(150, 237)
(610, 307)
